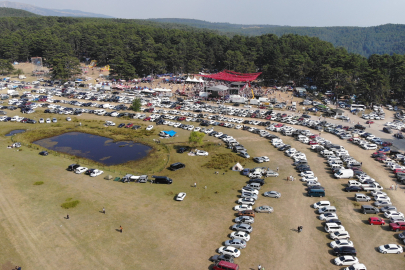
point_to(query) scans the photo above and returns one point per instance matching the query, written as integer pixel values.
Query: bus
(357, 107)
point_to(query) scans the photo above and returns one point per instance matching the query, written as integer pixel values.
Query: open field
(157, 236)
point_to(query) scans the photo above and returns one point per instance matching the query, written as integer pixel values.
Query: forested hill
(12, 12)
(383, 39)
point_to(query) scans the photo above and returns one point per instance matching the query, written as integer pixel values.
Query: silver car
(237, 243)
(242, 227)
(249, 195)
(382, 203)
(264, 209)
(245, 219)
(388, 208)
(272, 194)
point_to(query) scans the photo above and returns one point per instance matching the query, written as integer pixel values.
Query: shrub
(70, 204)
(39, 183)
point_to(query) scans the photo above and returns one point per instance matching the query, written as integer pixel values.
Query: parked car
(249, 213)
(177, 166)
(346, 260)
(240, 235)
(341, 251)
(73, 167)
(81, 170)
(180, 196)
(237, 243)
(264, 209)
(248, 201)
(201, 153)
(398, 226)
(150, 127)
(242, 207)
(222, 257)
(229, 251)
(339, 235)
(321, 204)
(44, 153)
(242, 227)
(376, 221)
(96, 172)
(245, 219)
(272, 194)
(341, 243)
(390, 248)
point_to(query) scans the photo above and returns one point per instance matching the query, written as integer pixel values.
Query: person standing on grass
(103, 210)
(67, 216)
(120, 229)
(259, 267)
(277, 168)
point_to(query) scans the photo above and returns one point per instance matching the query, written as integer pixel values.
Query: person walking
(259, 267)
(67, 216)
(277, 168)
(120, 229)
(396, 186)
(103, 210)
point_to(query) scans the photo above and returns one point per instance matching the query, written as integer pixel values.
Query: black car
(177, 166)
(121, 125)
(399, 136)
(257, 180)
(387, 130)
(341, 251)
(73, 167)
(353, 189)
(314, 187)
(222, 257)
(136, 127)
(182, 150)
(358, 126)
(43, 153)
(334, 220)
(89, 171)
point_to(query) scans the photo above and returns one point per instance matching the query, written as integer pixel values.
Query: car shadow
(320, 228)
(366, 222)
(357, 210)
(386, 228)
(376, 249)
(351, 198)
(330, 251)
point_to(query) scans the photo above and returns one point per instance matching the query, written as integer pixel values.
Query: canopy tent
(237, 167)
(232, 76)
(108, 177)
(171, 133)
(188, 79)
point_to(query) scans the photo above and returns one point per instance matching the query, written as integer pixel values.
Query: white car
(240, 235)
(313, 183)
(81, 170)
(180, 196)
(197, 129)
(201, 153)
(309, 178)
(376, 193)
(341, 243)
(219, 134)
(41, 120)
(242, 207)
(307, 173)
(245, 219)
(68, 119)
(339, 235)
(328, 216)
(390, 248)
(150, 127)
(229, 250)
(321, 204)
(390, 214)
(356, 266)
(251, 190)
(265, 159)
(248, 201)
(95, 173)
(333, 227)
(346, 260)
(48, 120)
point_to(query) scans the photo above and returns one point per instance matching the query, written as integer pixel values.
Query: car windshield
(387, 246)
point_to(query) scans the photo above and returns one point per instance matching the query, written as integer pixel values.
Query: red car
(398, 226)
(399, 171)
(370, 122)
(313, 143)
(381, 159)
(129, 125)
(221, 124)
(268, 117)
(181, 118)
(376, 221)
(313, 136)
(386, 144)
(146, 119)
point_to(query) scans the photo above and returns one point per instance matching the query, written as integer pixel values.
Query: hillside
(50, 12)
(383, 39)
(12, 12)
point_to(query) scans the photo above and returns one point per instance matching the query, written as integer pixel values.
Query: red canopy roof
(232, 76)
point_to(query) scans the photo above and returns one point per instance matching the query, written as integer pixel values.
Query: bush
(196, 137)
(70, 204)
(39, 183)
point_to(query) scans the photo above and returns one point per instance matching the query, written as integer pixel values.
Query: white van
(327, 209)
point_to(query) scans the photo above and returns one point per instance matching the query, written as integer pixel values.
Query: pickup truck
(373, 186)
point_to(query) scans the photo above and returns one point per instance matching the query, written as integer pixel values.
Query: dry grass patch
(223, 161)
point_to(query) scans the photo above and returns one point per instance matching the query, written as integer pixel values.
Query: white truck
(254, 102)
(344, 173)
(237, 99)
(372, 187)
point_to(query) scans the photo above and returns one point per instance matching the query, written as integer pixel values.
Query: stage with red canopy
(232, 76)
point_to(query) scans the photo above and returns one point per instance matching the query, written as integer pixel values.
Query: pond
(16, 131)
(96, 148)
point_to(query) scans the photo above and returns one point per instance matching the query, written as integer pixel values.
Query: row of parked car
(76, 168)
(365, 183)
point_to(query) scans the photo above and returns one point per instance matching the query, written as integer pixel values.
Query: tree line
(134, 48)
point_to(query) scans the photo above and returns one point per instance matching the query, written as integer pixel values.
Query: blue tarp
(171, 133)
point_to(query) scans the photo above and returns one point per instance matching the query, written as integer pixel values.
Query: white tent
(188, 79)
(200, 80)
(237, 167)
(194, 80)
